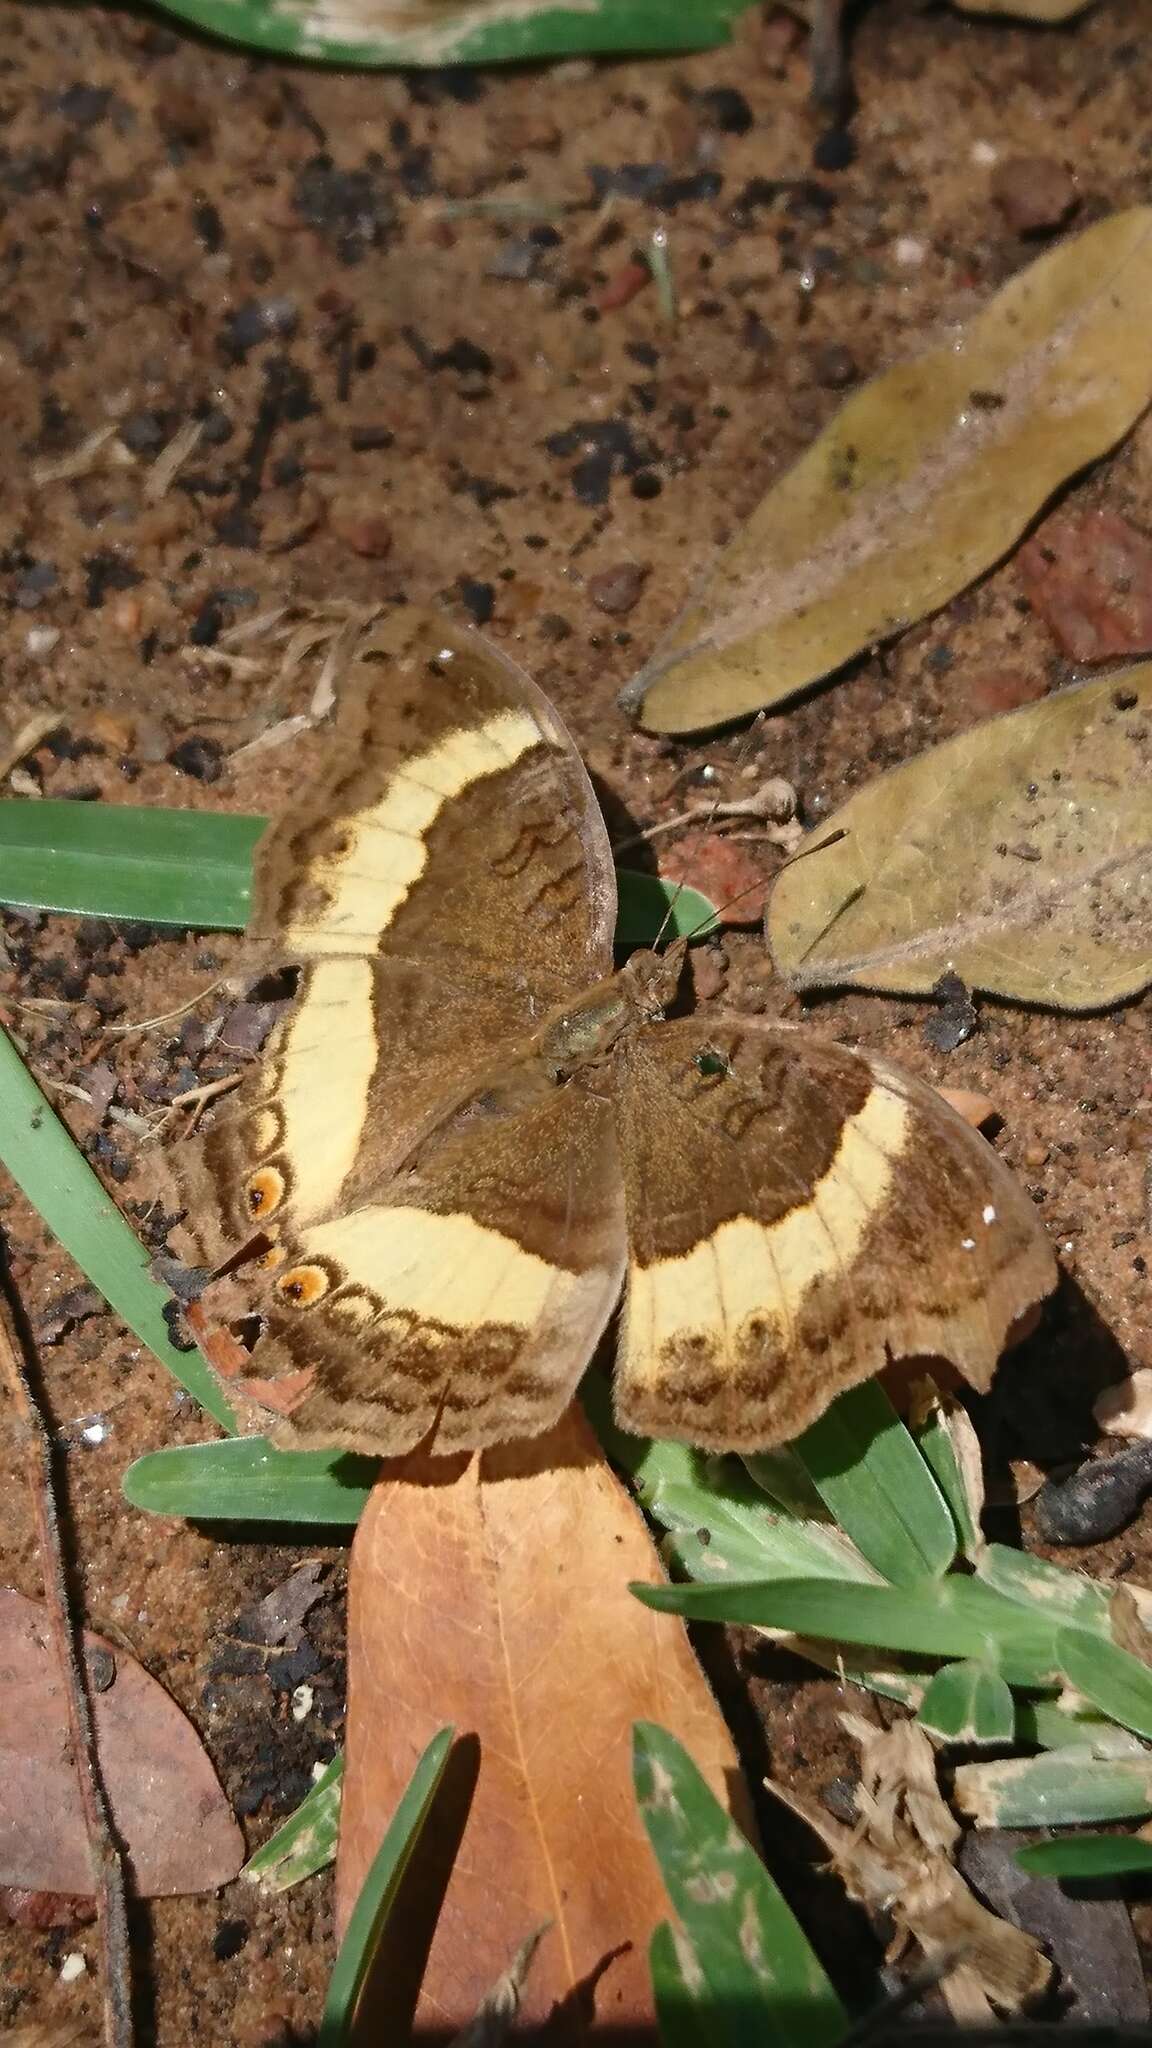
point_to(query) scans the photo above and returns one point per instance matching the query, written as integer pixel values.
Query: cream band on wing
(448, 1268)
(326, 1078)
(747, 1269)
(386, 850)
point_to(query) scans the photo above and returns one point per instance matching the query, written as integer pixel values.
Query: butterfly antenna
(707, 820)
(714, 916)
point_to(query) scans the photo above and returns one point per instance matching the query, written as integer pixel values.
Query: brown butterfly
(470, 1132)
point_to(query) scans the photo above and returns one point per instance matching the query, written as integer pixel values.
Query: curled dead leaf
(898, 1860)
(923, 479)
(1017, 855)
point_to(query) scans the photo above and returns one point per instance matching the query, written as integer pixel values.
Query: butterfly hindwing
(467, 1292)
(817, 1211)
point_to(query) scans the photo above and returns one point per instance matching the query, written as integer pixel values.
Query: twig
(103, 1849)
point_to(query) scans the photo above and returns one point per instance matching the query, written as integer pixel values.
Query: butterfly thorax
(585, 1032)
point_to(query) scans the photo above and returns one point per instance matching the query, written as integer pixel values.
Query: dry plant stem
(107, 1862)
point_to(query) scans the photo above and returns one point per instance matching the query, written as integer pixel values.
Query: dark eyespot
(265, 1191)
(304, 1286)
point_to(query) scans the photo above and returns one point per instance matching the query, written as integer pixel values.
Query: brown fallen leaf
(1018, 856)
(1089, 576)
(923, 479)
(898, 1860)
(167, 1804)
(492, 1594)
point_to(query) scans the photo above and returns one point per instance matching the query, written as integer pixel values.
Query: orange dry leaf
(492, 1593)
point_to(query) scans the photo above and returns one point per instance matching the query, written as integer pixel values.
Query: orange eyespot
(304, 1286)
(265, 1191)
(269, 1260)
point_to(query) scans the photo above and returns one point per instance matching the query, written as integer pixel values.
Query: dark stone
(230, 1937)
(479, 599)
(1098, 1501)
(205, 628)
(255, 321)
(725, 108)
(957, 1018)
(143, 432)
(351, 209)
(835, 150)
(198, 756)
(107, 572)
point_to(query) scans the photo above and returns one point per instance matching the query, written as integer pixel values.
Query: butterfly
(472, 1134)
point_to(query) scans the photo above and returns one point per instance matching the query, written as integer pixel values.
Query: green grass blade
(191, 868)
(307, 1841)
(43, 1160)
(968, 1706)
(1115, 1681)
(1066, 1788)
(763, 1981)
(936, 1440)
(1067, 1596)
(721, 1526)
(1057, 1721)
(1088, 1856)
(567, 28)
(378, 1894)
(247, 1480)
(868, 1471)
(950, 1618)
(194, 868)
(685, 2015)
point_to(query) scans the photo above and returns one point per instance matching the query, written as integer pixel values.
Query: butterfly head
(653, 978)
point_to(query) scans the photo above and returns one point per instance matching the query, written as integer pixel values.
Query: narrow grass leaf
(329, 31)
(762, 1978)
(720, 1525)
(867, 1470)
(950, 1618)
(378, 1892)
(685, 2015)
(307, 1841)
(782, 1477)
(947, 1443)
(1065, 1788)
(1066, 1596)
(1113, 1680)
(52, 1172)
(968, 1706)
(1088, 1856)
(194, 868)
(191, 868)
(1055, 1721)
(247, 1480)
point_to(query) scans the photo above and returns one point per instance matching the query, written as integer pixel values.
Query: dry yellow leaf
(923, 480)
(1018, 856)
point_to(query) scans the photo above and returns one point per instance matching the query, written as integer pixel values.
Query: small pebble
(834, 366)
(1036, 194)
(73, 1967)
(361, 527)
(617, 590)
(198, 756)
(956, 1019)
(478, 599)
(1099, 1500)
(725, 108)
